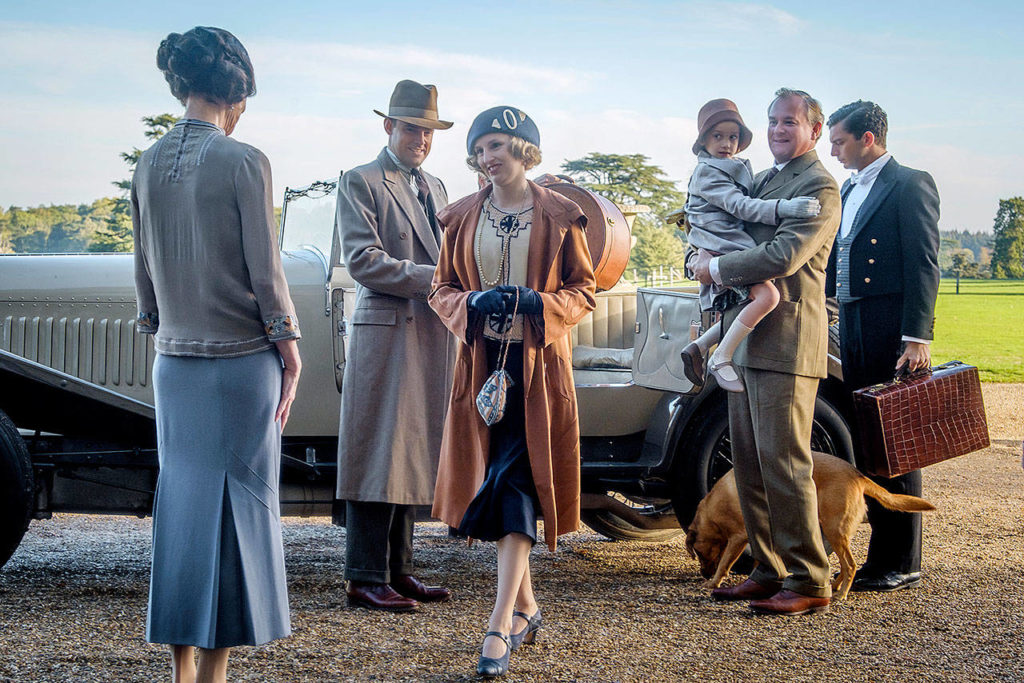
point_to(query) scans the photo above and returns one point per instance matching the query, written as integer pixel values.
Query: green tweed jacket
(794, 337)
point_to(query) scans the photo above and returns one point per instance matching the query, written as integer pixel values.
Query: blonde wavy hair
(520, 149)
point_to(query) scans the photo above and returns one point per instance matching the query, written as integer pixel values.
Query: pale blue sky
(596, 76)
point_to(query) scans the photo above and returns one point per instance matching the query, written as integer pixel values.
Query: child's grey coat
(717, 204)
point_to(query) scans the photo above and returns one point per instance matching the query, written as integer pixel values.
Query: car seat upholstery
(604, 339)
(611, 324)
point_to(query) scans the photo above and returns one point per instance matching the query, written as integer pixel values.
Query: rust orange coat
(560, 269)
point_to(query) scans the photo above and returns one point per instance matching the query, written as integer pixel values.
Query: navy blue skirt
(507, 500)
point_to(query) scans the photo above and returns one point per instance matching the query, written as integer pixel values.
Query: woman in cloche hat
(513, 277)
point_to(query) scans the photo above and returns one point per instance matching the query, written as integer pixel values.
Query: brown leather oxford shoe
(379, 596)
(748, 590)
(411, 587)
(789, 604)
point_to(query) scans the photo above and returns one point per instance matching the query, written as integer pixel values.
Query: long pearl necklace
(507, 225)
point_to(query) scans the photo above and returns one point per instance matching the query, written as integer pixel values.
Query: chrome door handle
(661, 321)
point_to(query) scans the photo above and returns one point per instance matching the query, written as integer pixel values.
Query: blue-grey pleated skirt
(218, 576)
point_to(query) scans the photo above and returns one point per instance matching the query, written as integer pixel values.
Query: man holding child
(780, 364)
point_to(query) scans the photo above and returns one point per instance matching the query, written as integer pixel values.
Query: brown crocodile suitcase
(921, 419)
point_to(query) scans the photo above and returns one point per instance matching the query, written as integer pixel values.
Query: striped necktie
(767, 179)
(423, 195)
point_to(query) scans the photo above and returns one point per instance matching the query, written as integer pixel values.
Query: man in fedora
(399, 356)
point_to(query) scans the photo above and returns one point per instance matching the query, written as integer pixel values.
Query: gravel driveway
(73, 599)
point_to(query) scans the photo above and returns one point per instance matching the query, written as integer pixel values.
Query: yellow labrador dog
(717, 537)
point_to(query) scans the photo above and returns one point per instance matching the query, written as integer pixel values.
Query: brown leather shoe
(378, 596)
(693, 364)
(411, 587)
(748, 590)
(790, 604)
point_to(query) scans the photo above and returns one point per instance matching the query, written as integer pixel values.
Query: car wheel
(16, 487)
(613, 526)
(705, 451)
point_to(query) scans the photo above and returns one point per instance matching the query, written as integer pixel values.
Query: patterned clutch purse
(490, 402)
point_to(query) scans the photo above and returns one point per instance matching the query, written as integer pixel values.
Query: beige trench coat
(560, 269)
(399, 354)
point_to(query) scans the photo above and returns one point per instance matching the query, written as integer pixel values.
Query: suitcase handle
(661, 321)
(903, 374)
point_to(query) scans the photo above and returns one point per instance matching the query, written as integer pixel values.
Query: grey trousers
(770, 428)
(378, 541)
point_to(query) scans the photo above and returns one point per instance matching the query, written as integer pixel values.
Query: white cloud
(970, 181)
(81, 93)
(74, 96)
(363, 68)
(712, 18)
(92, 62)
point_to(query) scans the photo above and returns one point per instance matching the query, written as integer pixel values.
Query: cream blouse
(502, 246)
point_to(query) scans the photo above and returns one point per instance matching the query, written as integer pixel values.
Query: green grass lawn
(982, 325)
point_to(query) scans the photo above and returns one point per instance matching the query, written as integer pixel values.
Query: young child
(718, 202)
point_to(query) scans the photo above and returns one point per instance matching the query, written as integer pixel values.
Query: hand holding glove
(799, 207)
(529, 300)
(488, 302)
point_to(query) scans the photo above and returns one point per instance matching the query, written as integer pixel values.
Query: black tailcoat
(894, 269)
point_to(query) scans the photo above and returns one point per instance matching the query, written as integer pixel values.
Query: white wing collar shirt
(861, 183)
(860, 187)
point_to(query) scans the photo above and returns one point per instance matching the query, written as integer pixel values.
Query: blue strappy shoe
(529, 632)
(489, 667)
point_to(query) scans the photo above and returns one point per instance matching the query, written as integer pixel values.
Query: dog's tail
(896, 501)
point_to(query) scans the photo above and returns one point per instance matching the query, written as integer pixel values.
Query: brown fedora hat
(416, 104)
(712, 114)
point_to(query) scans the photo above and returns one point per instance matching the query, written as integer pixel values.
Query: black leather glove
(488, 302)
(530, 302)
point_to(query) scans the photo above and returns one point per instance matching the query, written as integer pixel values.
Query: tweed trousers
(770, 427)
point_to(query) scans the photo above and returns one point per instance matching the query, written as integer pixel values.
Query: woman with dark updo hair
(211, 289)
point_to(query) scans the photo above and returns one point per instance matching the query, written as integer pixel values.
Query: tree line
(105, 224)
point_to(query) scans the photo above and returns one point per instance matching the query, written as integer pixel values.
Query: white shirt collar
(401, 167)
(867, 175)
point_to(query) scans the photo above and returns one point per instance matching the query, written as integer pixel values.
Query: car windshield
(307, 218)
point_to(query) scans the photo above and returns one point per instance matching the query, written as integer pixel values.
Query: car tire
(16, 488)
(705, 451)
(616, 528)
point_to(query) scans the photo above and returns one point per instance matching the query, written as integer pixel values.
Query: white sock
(709, 338)
(736, 333)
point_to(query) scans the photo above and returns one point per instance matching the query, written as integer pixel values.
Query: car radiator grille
(103, 350)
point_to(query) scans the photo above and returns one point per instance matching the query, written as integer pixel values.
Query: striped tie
(424, 196)
(767, 179)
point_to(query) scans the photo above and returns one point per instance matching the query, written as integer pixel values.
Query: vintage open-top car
(77, 427)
